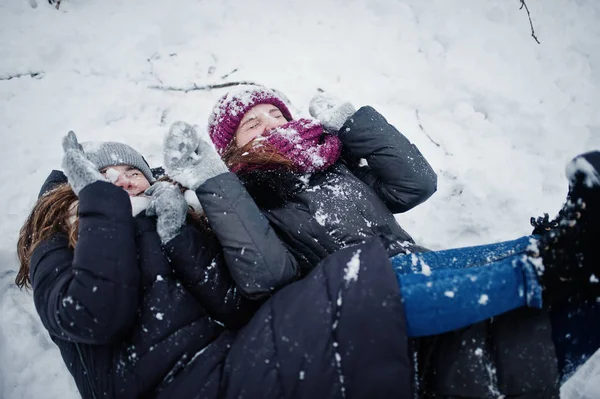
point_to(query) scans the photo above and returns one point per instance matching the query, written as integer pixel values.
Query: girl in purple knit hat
(487, 306)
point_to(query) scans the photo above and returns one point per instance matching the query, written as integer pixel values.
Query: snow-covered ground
(495, 113)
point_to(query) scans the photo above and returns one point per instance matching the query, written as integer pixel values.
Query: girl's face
(127, 177)
(256, 121)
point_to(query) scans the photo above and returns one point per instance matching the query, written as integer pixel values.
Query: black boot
(569, 246)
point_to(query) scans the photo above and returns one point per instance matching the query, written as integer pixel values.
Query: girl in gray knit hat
(121, 164)
(131, 292)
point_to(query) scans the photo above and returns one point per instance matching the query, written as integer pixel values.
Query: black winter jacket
(316, 215)
(257, 260)
(126, 313)
(132, 319)
(338, 333)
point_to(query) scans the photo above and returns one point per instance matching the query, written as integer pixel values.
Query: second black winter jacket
(125, 312)
(315, 215)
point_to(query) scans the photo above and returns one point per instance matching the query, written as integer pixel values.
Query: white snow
(192, 200)
(139, 204)
(425, 269)
(112, 174)
(506, 113)
(414, 260)
(321, 217)
(585, 383)
(449, 294)
(352, 268)
(483, 299)
(583, 167)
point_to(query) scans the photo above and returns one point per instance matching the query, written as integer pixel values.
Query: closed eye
(275, 112)
(250, 122)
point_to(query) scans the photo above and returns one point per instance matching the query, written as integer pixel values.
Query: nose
(271, 123)
(123, 182)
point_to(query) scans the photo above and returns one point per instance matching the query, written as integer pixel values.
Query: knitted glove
(189, 160)
(169, 206)
(332, 111)
(79, 170)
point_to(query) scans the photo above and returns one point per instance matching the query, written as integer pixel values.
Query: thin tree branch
(34, 75)
(152, 72)
(196, 87)
(55, 2)
(229, 74)
(530, 23)
(428, 136)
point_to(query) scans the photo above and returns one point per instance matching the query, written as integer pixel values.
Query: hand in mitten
(189, 160)
(79, 170)
(332, 111)
(169, 206)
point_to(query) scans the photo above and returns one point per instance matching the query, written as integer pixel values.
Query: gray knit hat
(111, 153)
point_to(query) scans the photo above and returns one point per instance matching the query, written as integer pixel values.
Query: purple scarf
(305, 143)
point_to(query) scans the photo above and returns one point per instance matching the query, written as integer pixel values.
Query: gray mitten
(332, 111)
(79, 170)
(170, 208)
(189, 160)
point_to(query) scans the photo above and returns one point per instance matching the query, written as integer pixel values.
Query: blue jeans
(447, 290)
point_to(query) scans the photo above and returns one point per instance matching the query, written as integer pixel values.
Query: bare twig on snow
(56, 3)
(152, 72)
(428, 136)
(530, 23)
(229, 74)
(34, 75)
(196, 87)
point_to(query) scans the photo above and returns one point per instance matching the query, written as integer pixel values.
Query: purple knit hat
(232, 107)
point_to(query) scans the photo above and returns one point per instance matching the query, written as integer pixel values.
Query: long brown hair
(250, 156)
(51, 215)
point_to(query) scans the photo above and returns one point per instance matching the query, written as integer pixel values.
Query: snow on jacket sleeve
(90, 294)
(397, 170)
(198, 264)
(257, 260)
